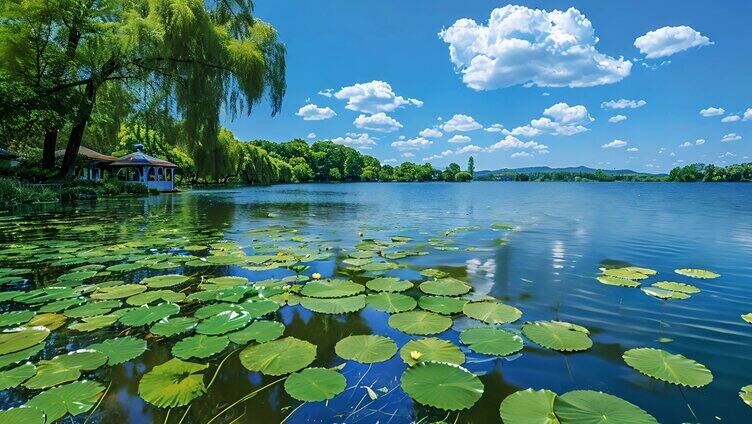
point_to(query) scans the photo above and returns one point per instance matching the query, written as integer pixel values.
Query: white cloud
(430, 133)
(356, 140)
(390, 160)
(412, 144)
(699, 142)
(668, 40)
(511, 142)
(311, 112)
(747, 115)
(494, 128)
(461, 122)
(523, 131)
(559, 119)
(329, 92)
(623, 104)
(686, 144)
(617, 118)
(373, 97)
(522, 154)
(520, 45)
(731, 118)
(633, 149)
(470, 148)
(712, 111)
(614, 144)
(377, 122)
(459, 138)
(731, 137)
(312, 135)
(408, 155)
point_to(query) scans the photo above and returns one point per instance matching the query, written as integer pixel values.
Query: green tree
(471, 166)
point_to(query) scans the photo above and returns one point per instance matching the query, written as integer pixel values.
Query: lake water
(546, 267)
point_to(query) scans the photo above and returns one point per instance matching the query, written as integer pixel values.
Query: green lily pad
(121, 349)
(89, 324)
(315, 384)
(746, 394)
(74, 399)
(332, 288)
(630, 273)
(664, 294)
(442, 304)
(152, 296)
(590, 407)
(173, 384)
(665, 366)
(389, 284)
(15, 317)
(23, 414)
(747, 317)
(278, 357)
(391, 302)
(60, 305)
(173, 326)
(76, 277)
(15, 376)
(445, 287)
(147, 314)
(444, 386)
(259, 331)
(420, 322)
(162, 281)
(224, 322)
(117, 292)
(200, 346)
(126, 267)
(21, 338)
(366, 349)
(339, 305)
(677, 287)
(697, 273)
(259, 308)
(431, 349)
(65, 368)
(491, 341)
(558, 335)
(529, 407)
(610, 280)
(51, 321)
(20, 356)
(223, 282)
(492, 312)
(433, 273)
(92, 309)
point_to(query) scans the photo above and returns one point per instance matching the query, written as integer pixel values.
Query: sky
(643, 85)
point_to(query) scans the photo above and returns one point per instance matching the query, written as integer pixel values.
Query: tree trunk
(48, 153)
(77, 131)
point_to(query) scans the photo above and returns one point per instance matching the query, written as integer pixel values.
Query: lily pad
(162, 281)
(340, 305)
(445, 287)
(442, 304)
(391, 302)
(697, 273)
(610, 280)
(747, 317)
(630, 273)
(15, 317)
(173, 384)
(558, 335)
(21, 338)
(431, 349)
(315, 384)
(492, 312)
(677, 287)
(121, 349)
(20, 356)
(664, 294)
(74, 399)
(224, 322)
(366, 349)
(89, 324)
(491, 341)
(591, 407)
(152, 296)
(200, 346)
(148, 314)
(117, 292)
(259, 331)
(665, 366)
(65, 368)
(746, 394)
(173, 326)
(389, 284)
(92, 309)
(23, 414)
(420, 322)
(529, 407)
(444, 386)
(332, 288)
(278, 357)
(51, 321)
(15, 376)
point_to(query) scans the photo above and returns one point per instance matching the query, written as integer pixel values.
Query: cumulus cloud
(731, 118)
(511, 142)
(668, 40)
(430, 133)
(522, 154)
(686, 144)
(699, 142)
(458, 138)
(373, 97)
(408, 155)
(311, 112)
(633, 149)
(312, 135)
(623, 104)
(617, 118)
(461, 123)
(356, 140)
(614, 144)
(559, 119)
(377, 122)
(747, 115)
(416, 143)
(520, 45)
(731, 137)
(494, 128)
(712, 111)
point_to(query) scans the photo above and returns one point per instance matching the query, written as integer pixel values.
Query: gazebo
(94, 165)
(157, 174)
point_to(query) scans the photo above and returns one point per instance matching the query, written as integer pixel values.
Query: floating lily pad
(259, 308)
(278, 357)
(389, 284)
(145, 315)
(21, 338)
(366, 349)
(558, 335)
(121, 349)
(259, 331)
(677, 287)
(65, 368)
(445, 287)
(420, 322)
(223, 282)
(697, 273)
(590, 407)
(173, 384)
(20, 356)
(492, 312)
(173, 326)
(610, 280)
(332, 288)
(200, 346)
(15, 317)
(23, 414)
(747, 317)
(664, 294)
(315, 384)
(529, 407)
(340, 305)
(630, 273)
(433, 273)
(162, 281)
(665, 366)
(431, 349)
(491, 341)
(391, 302)
(117, 292)
(61, 305)
(442, 304)
(51, 321)
(443, 386)
(74, 399)
(746, 394)
(92, 309)
(89, 324)
(15, 376)
(152, 296)
(224, 322)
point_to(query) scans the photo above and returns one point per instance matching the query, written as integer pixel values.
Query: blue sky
(557, 81)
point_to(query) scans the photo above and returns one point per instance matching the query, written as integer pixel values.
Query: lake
(543, 261)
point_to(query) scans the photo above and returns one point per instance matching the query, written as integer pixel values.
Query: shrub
(14, 193)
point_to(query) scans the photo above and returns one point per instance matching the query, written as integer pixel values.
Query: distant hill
(548, 169)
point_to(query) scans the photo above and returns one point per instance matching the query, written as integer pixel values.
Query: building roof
(7, 154)
(89, 154)
(142, 159)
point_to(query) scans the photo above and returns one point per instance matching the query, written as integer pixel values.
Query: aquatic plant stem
(244, 398)
(99, 402)
(167, 416)
(293, 411)
(185, 413)
(688, 405)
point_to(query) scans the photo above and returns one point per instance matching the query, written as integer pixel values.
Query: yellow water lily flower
(415, 355)
(316, 276)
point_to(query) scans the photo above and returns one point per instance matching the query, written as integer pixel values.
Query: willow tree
(205, 57)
